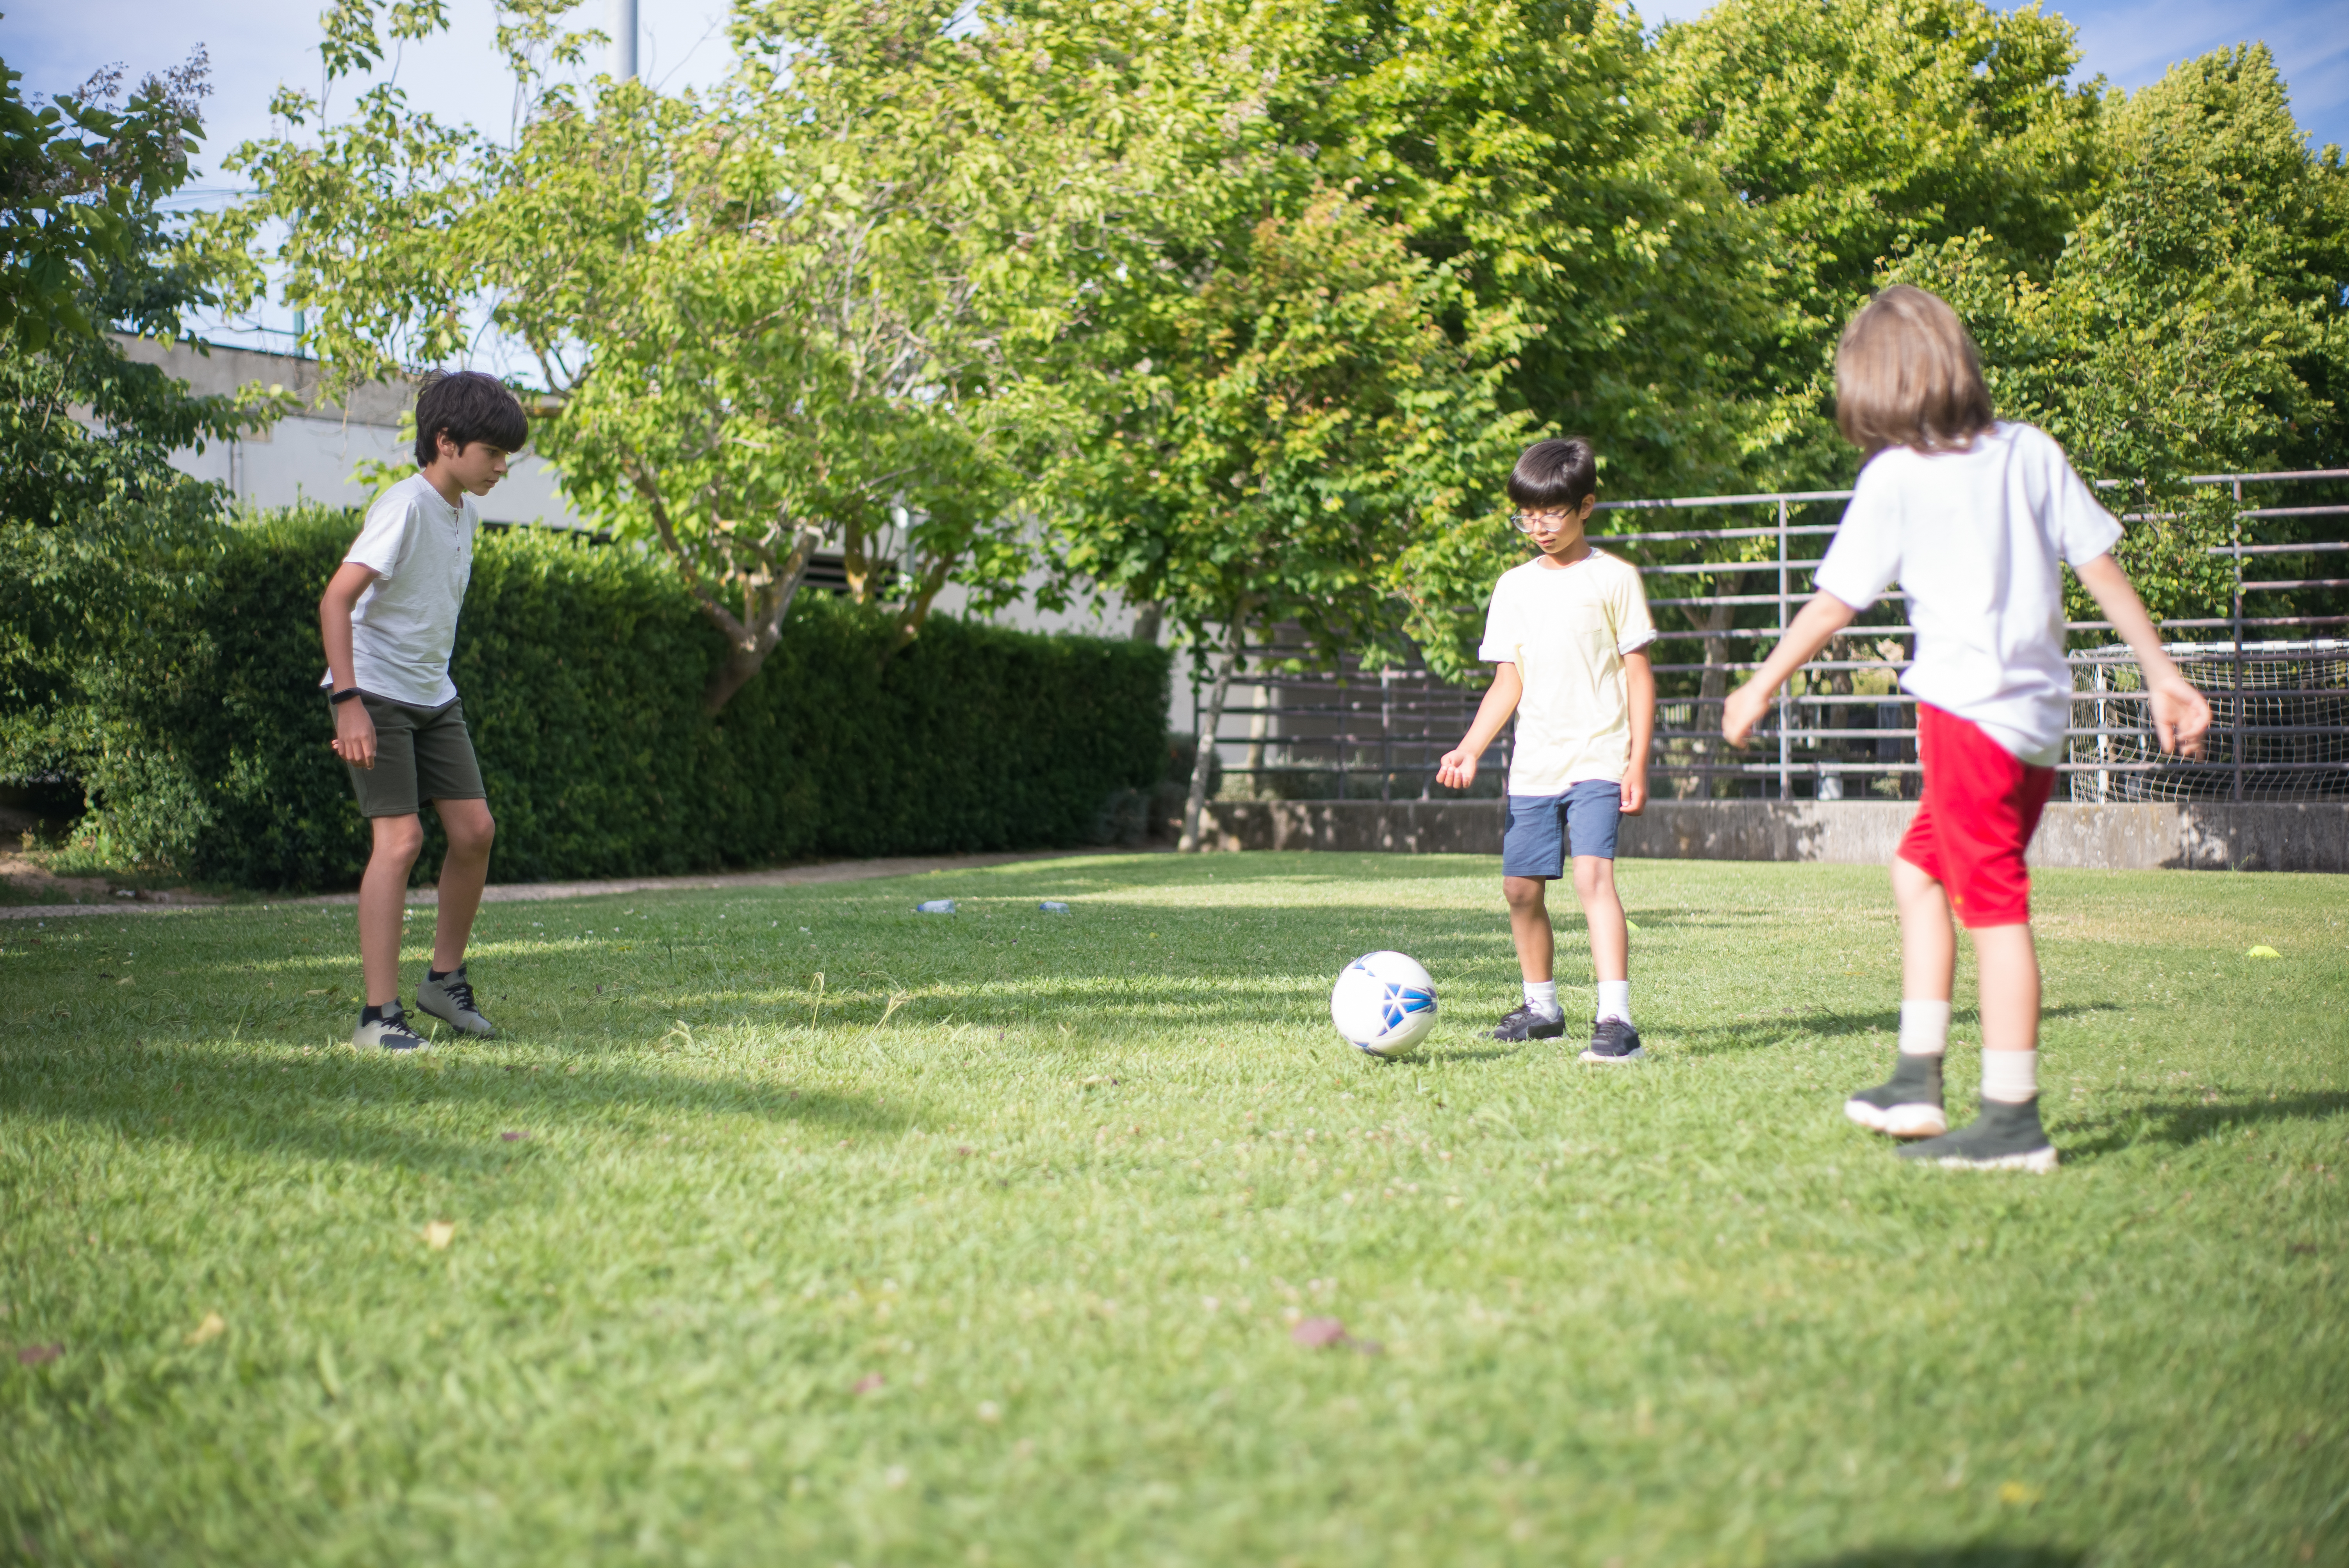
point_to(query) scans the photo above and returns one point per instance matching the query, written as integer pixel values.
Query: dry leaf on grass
(210, 1328)
(870, 1383)
(38, 1354)
(439, 1234)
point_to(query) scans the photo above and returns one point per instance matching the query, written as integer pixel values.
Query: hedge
(581, 667)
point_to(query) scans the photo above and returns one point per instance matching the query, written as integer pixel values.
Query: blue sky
(256, 44)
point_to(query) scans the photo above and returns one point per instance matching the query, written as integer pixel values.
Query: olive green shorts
(421, 754)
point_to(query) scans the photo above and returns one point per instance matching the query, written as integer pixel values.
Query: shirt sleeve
(1627, 607)
(1864, 559)
(1502, 633)
(386, 538)
(2077, 523)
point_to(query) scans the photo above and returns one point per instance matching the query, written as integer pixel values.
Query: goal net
(2278, 719)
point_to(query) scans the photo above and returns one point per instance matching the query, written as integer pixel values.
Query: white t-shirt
(1974, 539)
(422, 550)
(1567, 629)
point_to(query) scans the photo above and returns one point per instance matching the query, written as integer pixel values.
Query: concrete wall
(2212, 836)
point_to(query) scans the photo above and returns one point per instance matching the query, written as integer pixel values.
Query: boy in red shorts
(1975, 519)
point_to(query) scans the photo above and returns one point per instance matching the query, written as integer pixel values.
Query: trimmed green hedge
(581, 668)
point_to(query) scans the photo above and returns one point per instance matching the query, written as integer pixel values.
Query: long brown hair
(1908, 375)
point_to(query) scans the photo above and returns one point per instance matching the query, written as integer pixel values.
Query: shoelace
(461, 991)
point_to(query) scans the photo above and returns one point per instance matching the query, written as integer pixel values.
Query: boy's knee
(472, 835)
(1523, 892)
(399, 838)
(1594, 877)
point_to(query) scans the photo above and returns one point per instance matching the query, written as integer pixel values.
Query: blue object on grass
(935, 906)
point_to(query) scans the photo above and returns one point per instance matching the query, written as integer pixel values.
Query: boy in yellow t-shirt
(1566, 636)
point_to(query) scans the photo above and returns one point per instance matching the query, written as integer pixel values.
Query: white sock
(2010, 1078)
(1541, 995)
(1924, 1028)
(1615, 999)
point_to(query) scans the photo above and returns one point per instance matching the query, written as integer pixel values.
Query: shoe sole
(422, 1045)
(2038, 1162)
(1630, 1055)
(489, 1031)
(1559, 1032)
(1900, 1120)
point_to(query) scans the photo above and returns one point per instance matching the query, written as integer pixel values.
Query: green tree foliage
(2196, 321)
(95, 527)
(1855, 131)
(816, 302)
(1292, 414)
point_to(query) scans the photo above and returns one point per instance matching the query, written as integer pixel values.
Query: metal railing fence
(2275, 666)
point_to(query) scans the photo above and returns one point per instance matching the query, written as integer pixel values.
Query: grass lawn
(788, 1226)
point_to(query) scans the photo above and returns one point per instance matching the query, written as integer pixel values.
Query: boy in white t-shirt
(388, 618)
(1566, 636)
(1975, 520)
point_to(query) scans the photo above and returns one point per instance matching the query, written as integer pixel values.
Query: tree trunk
(1145, 622)
(753, 634)
(1203, 755)
(1712, 684)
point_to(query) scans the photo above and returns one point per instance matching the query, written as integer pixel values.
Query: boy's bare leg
(1928, 945)
(2009, 962)
(1529, 926)
(383, 900)
(1602, 911)
(463, 876)
(1910, 1103)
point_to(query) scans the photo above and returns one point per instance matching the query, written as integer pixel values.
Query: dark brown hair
(1908, 375)
(467, 406)
(1555, 475)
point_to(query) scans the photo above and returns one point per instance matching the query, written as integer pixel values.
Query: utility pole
(624, 39)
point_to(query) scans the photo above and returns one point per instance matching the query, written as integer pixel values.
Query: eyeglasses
(1527, 521)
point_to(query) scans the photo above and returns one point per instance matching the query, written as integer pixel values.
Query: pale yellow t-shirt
(1567, 629)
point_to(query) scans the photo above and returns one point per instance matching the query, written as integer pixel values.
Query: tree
(2195, 322)
(1290, 411)
(95, 523)
(1855, 132)
(813, 305)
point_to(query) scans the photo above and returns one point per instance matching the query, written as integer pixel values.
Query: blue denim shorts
(1542, 827)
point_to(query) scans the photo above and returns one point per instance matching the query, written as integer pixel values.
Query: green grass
(1049, 1190)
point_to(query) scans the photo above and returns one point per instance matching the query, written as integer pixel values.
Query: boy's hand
(355, 734)
(1742, 711)
(1457, 770)
(2181, 715)
(1635, 788)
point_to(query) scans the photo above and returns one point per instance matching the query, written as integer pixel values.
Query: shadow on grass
(1985, 1556)
(382, 1111)
(2181, 1122)
(1775, 1029)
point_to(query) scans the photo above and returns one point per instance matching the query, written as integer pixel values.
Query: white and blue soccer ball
(1384, 1003)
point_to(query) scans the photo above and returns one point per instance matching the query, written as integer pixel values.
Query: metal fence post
(1785, 693)
(2237, 630)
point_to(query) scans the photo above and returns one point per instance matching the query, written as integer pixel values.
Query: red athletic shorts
(1982, 805)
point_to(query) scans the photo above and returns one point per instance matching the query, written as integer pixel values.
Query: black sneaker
(1525, 1024)
(389, 1032)
(1907, 1104)
(1613, 1040)
(2002, 1137)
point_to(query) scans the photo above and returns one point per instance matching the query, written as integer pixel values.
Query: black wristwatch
(345, 695)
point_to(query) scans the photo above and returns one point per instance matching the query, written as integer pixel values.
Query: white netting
(2281, 709)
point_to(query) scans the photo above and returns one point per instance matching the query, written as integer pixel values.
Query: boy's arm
(1458, 768)
(353, 730)
(2181, 714)
(1820, 619)
(1640, 695)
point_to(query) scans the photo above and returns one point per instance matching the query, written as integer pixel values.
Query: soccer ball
(1383, 1003)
